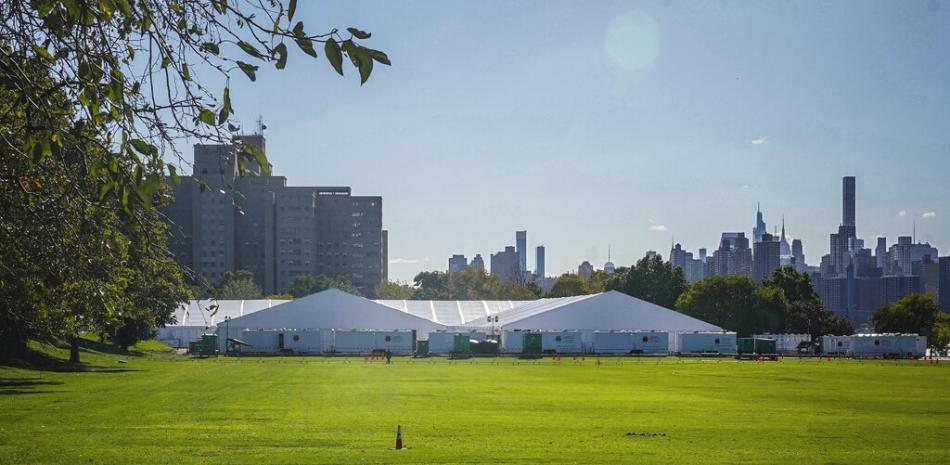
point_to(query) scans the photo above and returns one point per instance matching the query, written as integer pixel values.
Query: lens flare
(632, 41)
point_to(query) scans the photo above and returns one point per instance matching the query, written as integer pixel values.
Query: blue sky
(621, 123)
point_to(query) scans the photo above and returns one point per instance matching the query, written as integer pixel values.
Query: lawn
(160, 408)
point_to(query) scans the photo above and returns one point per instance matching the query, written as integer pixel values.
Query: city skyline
(760, 104)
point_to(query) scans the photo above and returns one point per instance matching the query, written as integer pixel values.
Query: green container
(422, 347)
(461, 344)
(531, 344)
(750, 346)
(208, 345)
(485, 348)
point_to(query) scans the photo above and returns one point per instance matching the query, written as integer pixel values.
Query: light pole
(227, 334)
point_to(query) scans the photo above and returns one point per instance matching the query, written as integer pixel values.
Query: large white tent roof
(606, 311)
(338, 310)
(335, 309)
(208, 313)
(454, 312)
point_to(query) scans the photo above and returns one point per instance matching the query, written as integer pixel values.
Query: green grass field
(159, 408)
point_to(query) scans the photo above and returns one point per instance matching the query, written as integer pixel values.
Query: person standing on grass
(389, 357)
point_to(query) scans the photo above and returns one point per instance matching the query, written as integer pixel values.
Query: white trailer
(442, 342)
(302, 341)
(561, 342)
(262, 341)
(512, 341)
(785, 343)
(888, 345)
(354, 341)
(613, 342)
(397, 341)
(652, 342)
(707, 342)
(836, 345)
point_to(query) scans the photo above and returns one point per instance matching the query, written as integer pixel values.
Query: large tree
(96, 94)
(805, 313)
(915, 313)
(653, 280)
(568, 285)
(736, 304)
(238, 285)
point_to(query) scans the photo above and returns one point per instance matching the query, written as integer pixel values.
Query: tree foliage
(915, 313)
(651, 279)
(94, 96)
(568, 285)
(307, 284)
(238, 285)
(389, 290)
(470, 284)
(805, 313)
(736, 304)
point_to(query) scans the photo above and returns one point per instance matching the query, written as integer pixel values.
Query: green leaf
(226, 108)
(143, 147)
(281, 50)
(206, 116)
(173, 173)
(298, 29)
(378, 56)
(291, 9)
(203, 186)
(249, 49)
(256, 154)
(184, 72)
(358, 33)
(44, 53)
(210, 47)
(105, 188)
(249, 70)
(221, 6)
(360, 59)
(306, 45)
(334, 56)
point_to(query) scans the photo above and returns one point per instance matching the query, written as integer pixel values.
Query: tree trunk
(74, 349)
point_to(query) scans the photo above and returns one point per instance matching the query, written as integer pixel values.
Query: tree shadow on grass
(19, 386)
(41, 361)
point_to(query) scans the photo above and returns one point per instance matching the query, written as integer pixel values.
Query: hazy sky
(621, 123)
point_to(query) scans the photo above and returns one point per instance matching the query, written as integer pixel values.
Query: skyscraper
(505, 265)
(585, 270)
(786, 250)
(478, 263)
(609, 266)
(944, 286)
(539, 261)
(759, 228)
(880, 252)
(733, 257)
(847, 201)
(521, 242)
(798, 256)
(457, 263)
(766, 257)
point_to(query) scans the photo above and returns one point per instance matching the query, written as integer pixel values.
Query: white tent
(454, 312)
(198, 317)
(329, 309)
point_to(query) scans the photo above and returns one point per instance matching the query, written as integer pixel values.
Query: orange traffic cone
(398, 437)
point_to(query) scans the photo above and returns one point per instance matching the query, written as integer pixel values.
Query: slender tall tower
(539, 261)
(521, 243)
(759, 229)
(847, 199)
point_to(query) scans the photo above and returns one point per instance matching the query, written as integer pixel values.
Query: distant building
(944, 279)
(585, 270)
(521, 242)
(798, 256)
(785, 249)
(539, 261)
(273, 230)
(693, 269)
(478, 263)
(457, 263)
(843, 242)
(505, 265)
(929, 272)
(897, 287)
(880, 252)
(734, 256)
(901, 256)
(609, 266)
(651, 254)
(766, 257)
(759, 228)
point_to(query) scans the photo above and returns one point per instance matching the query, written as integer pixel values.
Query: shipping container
(756, 346)
(888, 345)
(442, 342)
(612, 342)
(836, 345)
(561, 342)
(422, 347)
(354, 341)
(707, 343)
(653, 342)
(531, 343)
